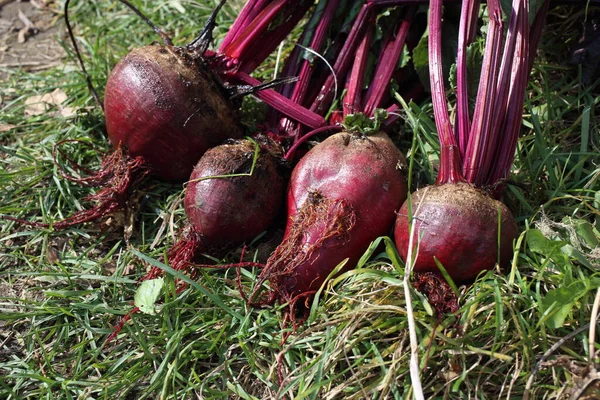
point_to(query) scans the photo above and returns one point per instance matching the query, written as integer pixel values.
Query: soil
(29, 35)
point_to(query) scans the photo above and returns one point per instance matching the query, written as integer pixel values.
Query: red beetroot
(237, 208)
(459, 226)
(168, 107)
(454, 221)
(234, 193)
(342, 195)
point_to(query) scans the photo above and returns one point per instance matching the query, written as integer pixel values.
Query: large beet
(343, 194)
(166, 106)
(457, 224)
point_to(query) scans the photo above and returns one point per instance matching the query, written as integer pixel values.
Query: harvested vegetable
(235, 192)
(342, 194)
(456, 222)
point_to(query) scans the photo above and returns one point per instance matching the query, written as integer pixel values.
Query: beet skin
(233, 209)
(459, 226)
(167, 107)
(342, 195)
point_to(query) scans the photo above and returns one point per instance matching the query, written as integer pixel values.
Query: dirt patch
(29, 35)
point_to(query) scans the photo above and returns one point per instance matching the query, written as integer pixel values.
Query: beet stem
(511, 124)
(466, 34)
(248, 13)
(481, 128)
(342, 63)
(509, 73)
(450, 160)
(283, 104)
(352, 100)
(306, 68)
(388, 61)
(258, 39)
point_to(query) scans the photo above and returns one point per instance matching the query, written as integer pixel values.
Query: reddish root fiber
(440, 295)
(321, 223)
(118, 174)
(119, 327)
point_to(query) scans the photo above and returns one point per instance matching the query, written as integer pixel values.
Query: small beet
(457, 224)
(165, 105)
(235, 209)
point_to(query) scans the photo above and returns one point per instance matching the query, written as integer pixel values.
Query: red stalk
(256, 41)
(352, 100)
(248, 13)
(504, 83)
(343, 61)
(466, 34)
(253, 30)
(387, 63)
(450, 160)
(306, 68)
(283, 104)
(479, 136)
(524, 54)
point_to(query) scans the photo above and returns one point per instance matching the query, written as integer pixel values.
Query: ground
(526, 329)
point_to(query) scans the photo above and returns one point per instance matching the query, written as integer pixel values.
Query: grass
(62, 293)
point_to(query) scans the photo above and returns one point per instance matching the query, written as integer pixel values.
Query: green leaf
(577, 255)
(538, 243)
(449, 47)
(361, 123)
(147, 294)
(562, 300)
(586, 232)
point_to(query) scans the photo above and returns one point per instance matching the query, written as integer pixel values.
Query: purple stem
(506, 83)
(283, 104)
(354, 84)
(258, 39)
(248, 13)
(525, 53)
(316, 45)
(479, 135)
(388, 61)
(342, 62)
(306, 68)
(450, 161)
(466, 34)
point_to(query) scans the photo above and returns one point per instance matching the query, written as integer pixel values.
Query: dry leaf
(34, 106)
(28, 30)
(52, 255)
(68, 112)
(6, 127)
(37, 105)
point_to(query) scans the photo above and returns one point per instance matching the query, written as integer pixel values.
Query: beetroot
(235, 209)
(455, 220)
(234, 193)
(165, 105)
(459, 226)
(342, 195)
